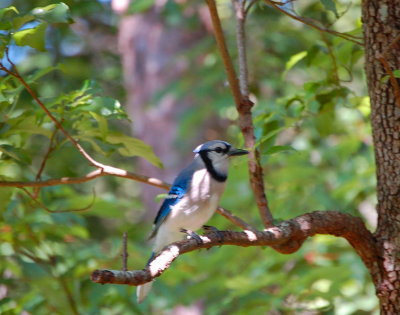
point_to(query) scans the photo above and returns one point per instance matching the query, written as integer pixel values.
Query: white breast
(193, 211)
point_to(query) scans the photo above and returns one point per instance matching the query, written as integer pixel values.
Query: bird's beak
(237, 152)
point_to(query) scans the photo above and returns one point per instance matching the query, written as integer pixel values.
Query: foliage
(311, 126)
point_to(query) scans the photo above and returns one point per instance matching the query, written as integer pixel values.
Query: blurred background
(149, 69)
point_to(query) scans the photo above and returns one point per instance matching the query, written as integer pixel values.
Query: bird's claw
(193, 235)
(213, 229)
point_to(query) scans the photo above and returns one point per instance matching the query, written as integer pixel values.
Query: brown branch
(311, 23)
(243, 106)
(286, 237)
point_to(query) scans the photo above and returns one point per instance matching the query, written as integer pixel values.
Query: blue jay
(193, 198)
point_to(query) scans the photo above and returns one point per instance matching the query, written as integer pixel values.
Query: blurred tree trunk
(152, 58)
(382, 45)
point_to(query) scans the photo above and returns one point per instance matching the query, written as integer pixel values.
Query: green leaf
(33, 37)
(27, 125)
(6, 17)
(134, 147)
(7, 11)
(330, 6)
(54, 13)
(293, 61)
(103, 125)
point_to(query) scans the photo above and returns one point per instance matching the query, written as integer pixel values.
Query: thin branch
(281, 237)
(243, 106)
(310, 23)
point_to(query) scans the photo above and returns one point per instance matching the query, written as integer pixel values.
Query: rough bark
(381, 30)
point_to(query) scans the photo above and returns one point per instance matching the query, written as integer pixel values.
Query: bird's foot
(193, 235)
(212, 229)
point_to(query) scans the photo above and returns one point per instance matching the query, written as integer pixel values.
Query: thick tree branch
(243, 105)
(286, 237)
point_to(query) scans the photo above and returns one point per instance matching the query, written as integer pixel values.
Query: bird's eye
(218, 150)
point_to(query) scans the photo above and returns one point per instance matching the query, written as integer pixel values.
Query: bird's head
(215, 154)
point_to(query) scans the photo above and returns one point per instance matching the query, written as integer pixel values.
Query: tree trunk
(381, 20)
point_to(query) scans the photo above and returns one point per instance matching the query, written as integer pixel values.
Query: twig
(281, 237)
(125, 254)
(308, 22)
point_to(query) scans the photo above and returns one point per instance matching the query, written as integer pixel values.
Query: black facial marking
(210, 168)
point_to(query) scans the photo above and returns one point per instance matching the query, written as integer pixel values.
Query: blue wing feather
(176, 193)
